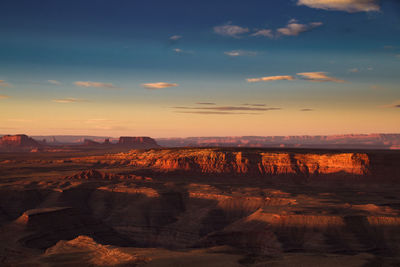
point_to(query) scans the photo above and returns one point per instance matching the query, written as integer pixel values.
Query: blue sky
(140, 67)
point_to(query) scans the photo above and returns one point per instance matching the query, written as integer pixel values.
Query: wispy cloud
(68, 100)
(395, 104)
(175, 37)
(306, 109)
(4, 96)
(230, 30)
(216, 113)
(342, 5)
(54, 82)
(4, 84)
(293, 28)
(271, 78)
(264, 32)
(205, 103)
(318, 77)
(250, 109)
(159, 85)
(237, 53)
(88, 84)
(254, 105)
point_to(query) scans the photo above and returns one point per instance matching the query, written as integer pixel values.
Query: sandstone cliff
(240, 162)
(18, 142)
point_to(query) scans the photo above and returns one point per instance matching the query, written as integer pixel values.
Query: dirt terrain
(200, 206)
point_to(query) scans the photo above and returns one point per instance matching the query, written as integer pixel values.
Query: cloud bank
(342, 5)
(4, 96)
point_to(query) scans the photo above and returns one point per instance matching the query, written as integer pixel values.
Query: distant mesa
(24, 143)
(88, 142)
(137, 142)
(126, 141)
(19, 142)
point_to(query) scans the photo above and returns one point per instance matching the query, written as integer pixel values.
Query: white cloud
(67, 100)
(54, 82)
(230, 30)
(264, 32)
(237, 53)
(4, 84)
(95, 84)
(342, 5)
(159, 85)
(293, 28)
(318, 77)
(178, 50)
(175, 37)
(4, 96)
(271, 78)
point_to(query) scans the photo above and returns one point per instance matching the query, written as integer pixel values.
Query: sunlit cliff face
(214, 161)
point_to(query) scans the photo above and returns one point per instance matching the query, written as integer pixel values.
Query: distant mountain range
(361, 141)
(372, 141)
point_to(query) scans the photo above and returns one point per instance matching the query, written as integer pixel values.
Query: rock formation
(88, 142)
(97, 175)
(377, 141)
(137, 142)
(241, 162)
(19, 142)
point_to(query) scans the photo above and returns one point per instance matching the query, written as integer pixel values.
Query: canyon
(200, 206)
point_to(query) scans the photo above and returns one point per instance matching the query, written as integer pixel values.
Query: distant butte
(137, 142)
(19, 142)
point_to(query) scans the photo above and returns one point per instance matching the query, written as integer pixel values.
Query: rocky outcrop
(137, 142)
(241, 162)
(19, 142)
(97, 175)
(83, 250)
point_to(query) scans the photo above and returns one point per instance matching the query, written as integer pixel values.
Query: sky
(199, 68)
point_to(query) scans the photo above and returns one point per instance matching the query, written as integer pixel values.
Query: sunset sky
(199, 68)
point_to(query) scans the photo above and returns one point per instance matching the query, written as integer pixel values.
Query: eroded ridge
(216, 161)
